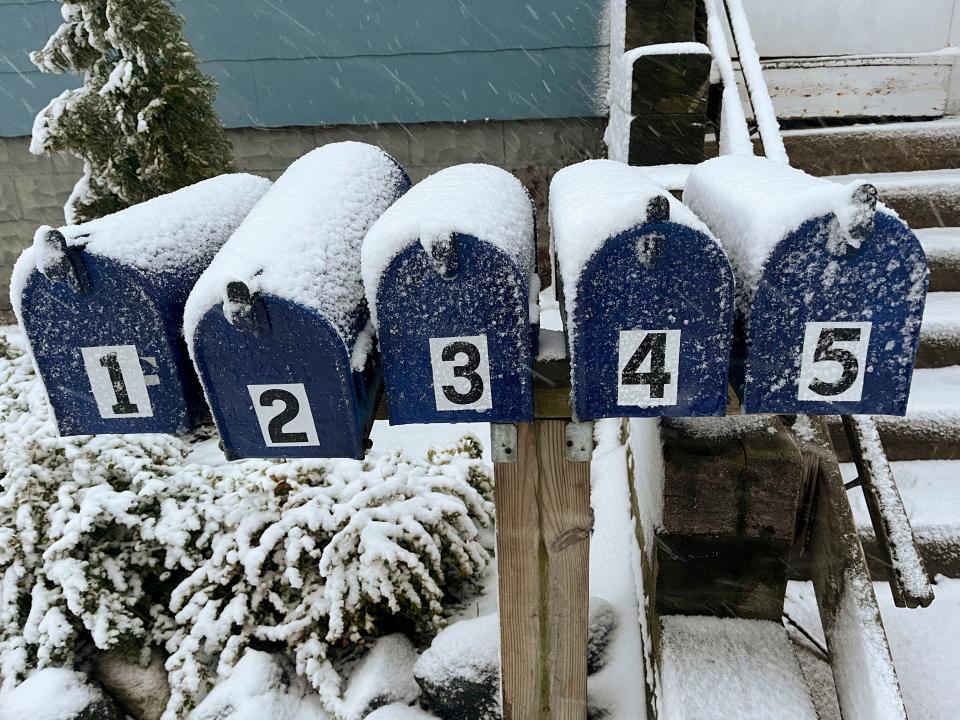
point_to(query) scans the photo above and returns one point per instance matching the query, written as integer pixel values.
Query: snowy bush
(114, 540)
(143, 120)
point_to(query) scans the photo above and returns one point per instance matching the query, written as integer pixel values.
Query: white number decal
(649, 363)
(461, 373)
(117, 381)
(284, 415)
(833, 361)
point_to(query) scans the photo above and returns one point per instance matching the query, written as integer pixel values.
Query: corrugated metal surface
(303, 62)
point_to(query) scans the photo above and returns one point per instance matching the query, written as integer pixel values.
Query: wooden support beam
(543, 546)
(863, 670)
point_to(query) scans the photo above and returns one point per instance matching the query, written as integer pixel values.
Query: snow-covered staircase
(913, 165)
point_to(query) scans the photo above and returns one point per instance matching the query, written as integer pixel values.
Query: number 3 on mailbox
(461, 373)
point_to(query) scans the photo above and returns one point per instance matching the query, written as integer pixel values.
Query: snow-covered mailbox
(450, 280)
(277, 325)
(102, 306)
(830, 288)
(647, 296)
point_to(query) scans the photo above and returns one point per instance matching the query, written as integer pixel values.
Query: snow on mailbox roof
(479, 200)
(302, 240)
(181, 229)
(173, 230)
(591, 202)
(752, 203)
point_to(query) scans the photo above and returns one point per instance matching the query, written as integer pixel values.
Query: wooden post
(543, 545)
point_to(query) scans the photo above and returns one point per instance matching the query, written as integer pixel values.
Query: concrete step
(870, 148)
(875, 147)
(940, 331)
(931, 428)
(925, 198)
(942, 247)
(930, 490)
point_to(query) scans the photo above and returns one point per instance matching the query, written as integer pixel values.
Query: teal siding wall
(316, 62)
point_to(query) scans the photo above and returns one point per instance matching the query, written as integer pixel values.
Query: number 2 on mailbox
(284, 414)
(461, 373)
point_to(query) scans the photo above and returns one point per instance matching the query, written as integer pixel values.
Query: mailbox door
(458, 349)
(836, 335)
(289, 392)
(111, 358)
(653, 322)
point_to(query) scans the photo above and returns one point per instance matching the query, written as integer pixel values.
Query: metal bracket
(579, 441)
(503, 442)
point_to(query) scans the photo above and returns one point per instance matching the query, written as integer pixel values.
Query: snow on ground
(256, 690)
(941, 316)
(416, 440)
(725, 668)
(923, 642)
(620, 686)
(49, 694)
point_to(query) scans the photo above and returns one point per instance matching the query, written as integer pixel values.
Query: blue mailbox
(450, 278)
(830, 288)
(102, 306)
(278, 324)
(646, 293)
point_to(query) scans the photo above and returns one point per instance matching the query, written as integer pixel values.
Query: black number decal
(654, 345)
(847, 360)
(467, 371)
(291, 408)
(123, 406)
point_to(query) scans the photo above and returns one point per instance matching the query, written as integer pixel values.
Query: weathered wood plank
(543, 544)
(565, 526)
(909, 583)
(863, 670)
(520, 564)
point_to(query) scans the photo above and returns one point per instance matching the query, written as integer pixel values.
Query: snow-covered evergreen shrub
(114, 539)
(143, 119)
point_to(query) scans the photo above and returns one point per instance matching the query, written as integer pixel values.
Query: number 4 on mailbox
(649, 365)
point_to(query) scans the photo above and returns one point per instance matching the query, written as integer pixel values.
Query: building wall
(33, 189)
(307, 62)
